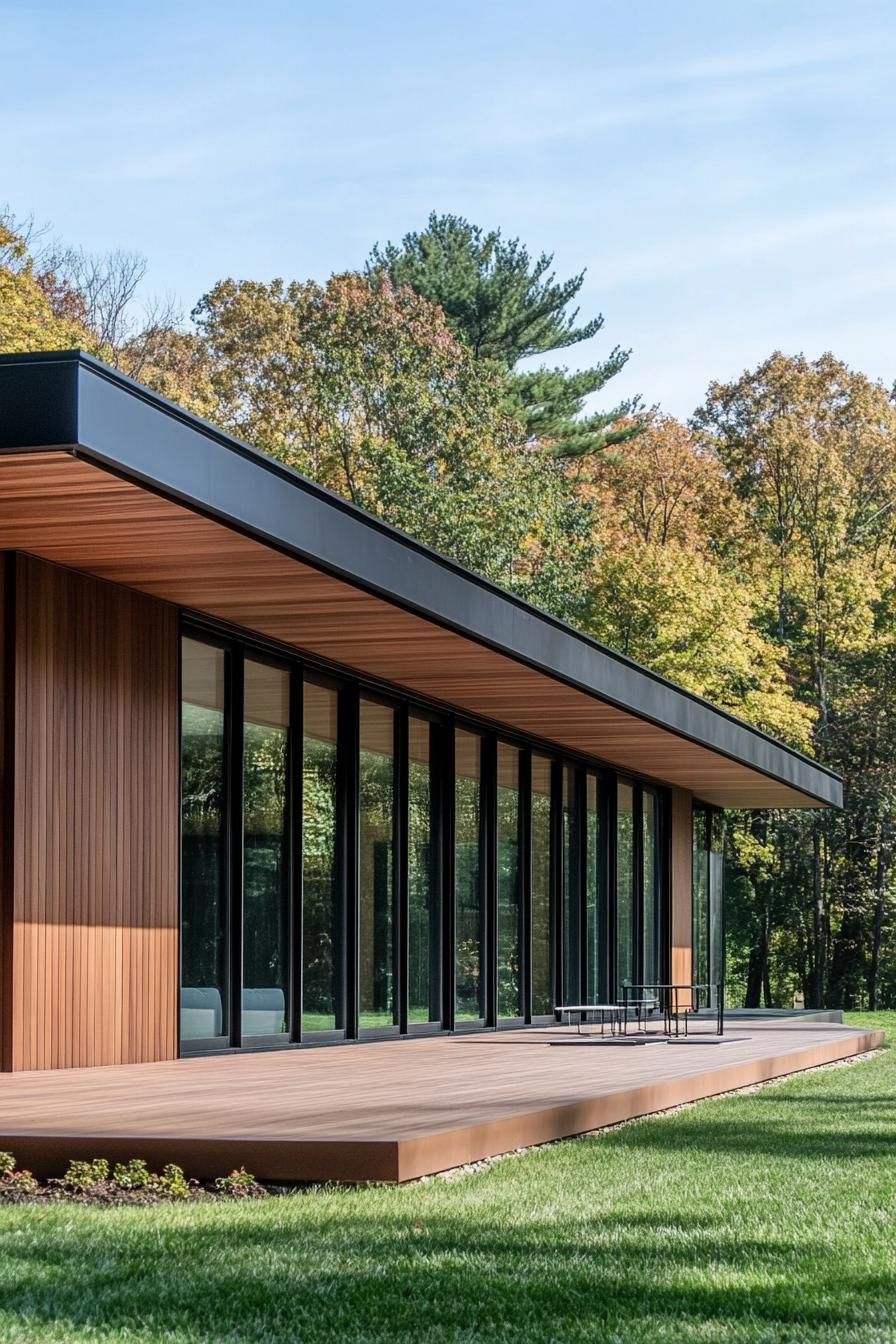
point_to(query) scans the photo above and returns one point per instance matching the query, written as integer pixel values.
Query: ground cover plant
(767, 1216)
(96, 1181)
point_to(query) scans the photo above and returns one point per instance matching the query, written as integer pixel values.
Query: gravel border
(454, 1173)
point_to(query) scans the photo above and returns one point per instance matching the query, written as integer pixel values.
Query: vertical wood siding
(681, 872)
(95, 880)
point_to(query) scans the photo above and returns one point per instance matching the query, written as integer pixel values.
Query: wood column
(92, 889)
(681, 876)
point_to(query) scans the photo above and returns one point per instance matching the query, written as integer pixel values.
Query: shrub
(84, 1176)
(7, 1164)
(22, 1182)
(133, 1175)
(173, 1182)
(238, 1182)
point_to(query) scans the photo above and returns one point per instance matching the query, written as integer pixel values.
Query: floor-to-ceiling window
(572, 876)
(542, 942)
(594, 908)
(509, 885)
(353, 863)
(700, 898)
(716, 903)
(424, 878)
(204, 1011)
(625, 884)
(469, 886)
(378, 922)
(322, 897)
(651, 921)
(266, 904)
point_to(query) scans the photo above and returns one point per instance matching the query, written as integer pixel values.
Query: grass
(769, 1216)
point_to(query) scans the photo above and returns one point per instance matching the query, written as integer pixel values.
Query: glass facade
(205, 1012)
(378, 922)
(355, 865)
(625, 884)
(509, 879)
(707, 900)
(651, 951)
(595, 976)
(322, 906)
(424, 885)
(469, 902)
(541, 882)
(266, 907)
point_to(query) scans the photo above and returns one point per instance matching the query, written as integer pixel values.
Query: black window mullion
(489, 879)
(638, 875)
(558, 989)
(437, 871)
(581, 895)
(347, 812)
(525, 880)
(664, 852)
(234, 750)
(295, 841)
(401, 926)
(605, 922)
(446, 776)
(614, 988)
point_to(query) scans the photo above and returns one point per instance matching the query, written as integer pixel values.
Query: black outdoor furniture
(677, 1002)
(605, 1012)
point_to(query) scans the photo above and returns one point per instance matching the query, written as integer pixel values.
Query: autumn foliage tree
(362, 385)
(810, 449)
(750, 556)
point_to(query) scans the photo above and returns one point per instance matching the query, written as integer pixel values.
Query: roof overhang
(101, 475)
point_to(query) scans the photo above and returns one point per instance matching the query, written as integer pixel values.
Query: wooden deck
(388, 1111)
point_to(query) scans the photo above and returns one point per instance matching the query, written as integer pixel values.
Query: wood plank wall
(95, 826)
(681, 877)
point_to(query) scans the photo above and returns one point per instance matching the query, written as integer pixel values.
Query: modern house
(275, 775)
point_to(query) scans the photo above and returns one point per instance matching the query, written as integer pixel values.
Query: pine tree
(508, 307)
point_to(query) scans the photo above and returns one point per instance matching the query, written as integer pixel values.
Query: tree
(54, 297)
(35, 313)
(810, 447)
(507, 307)
(363, 387)
(673, 582)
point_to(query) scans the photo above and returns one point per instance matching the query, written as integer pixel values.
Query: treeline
(748, 554)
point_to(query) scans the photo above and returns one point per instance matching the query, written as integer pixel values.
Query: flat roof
(98, 455)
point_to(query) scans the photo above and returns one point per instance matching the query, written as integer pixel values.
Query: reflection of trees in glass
(571, 866)
(321, 950)
(509, 907)
(700, 898)
(468, 878)
(265, 912)
(423, 907)
(541, 886)
(592, 890)
(376, 886)
(625, 891)
(650, 892)
(202, 792)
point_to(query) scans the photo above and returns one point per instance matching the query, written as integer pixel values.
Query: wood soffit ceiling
(76, 514)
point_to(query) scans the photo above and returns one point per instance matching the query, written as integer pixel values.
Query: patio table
(607, 1012)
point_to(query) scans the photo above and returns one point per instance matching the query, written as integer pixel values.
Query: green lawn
(769, 1216)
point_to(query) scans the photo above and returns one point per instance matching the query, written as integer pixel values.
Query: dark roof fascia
(70, 400)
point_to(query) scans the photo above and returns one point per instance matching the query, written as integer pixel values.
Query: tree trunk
(757, 969)
(883, 865)
(816, 984)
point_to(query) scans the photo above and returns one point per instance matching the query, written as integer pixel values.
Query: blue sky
(725, 171)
